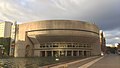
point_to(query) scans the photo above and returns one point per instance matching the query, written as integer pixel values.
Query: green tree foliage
(6, 44)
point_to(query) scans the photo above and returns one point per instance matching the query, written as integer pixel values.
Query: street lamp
(56, 57)
(3, 48)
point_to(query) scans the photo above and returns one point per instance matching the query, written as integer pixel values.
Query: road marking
(90, 63)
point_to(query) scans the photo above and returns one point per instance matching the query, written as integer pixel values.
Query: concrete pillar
(45, 53)
(66, 53)
(72, 52)
(40, 53)
(58, 53)
(86, 53)
(89, 53)
(78, 53)
(82, 53)
(52, 53)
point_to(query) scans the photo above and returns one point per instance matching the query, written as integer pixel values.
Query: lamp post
(56, 57)
(3, 48)
(0, 51)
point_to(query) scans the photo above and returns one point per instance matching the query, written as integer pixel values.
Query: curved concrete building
(57, 38)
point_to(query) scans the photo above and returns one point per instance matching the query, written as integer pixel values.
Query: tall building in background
(5, 36)
(5, 29)
(8, 30)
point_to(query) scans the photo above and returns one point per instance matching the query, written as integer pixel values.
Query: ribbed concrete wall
(57, 24)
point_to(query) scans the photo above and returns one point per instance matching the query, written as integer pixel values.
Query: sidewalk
(73, 64)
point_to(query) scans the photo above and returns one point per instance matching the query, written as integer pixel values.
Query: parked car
(118, 51)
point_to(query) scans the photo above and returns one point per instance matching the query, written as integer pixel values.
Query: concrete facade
(57, 38)
(102, 42)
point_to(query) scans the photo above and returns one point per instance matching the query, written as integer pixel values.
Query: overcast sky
(105, 13)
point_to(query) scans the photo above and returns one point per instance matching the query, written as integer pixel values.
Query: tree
(6, 44)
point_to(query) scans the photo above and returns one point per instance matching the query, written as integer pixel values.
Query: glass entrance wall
(64, 45)
(64, 49)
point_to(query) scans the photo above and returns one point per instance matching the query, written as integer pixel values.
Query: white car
(118, 51)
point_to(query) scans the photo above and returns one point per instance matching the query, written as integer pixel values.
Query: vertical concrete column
(58, 53)
(52, 53)
(72, 52)
(66, 53)
(78, 53)
(45, 53)
(82, 53)
(88, 53)
(40, 53)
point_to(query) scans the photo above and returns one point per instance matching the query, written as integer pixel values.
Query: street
(109, 61)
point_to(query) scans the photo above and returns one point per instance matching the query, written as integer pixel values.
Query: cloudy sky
(105, 13)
